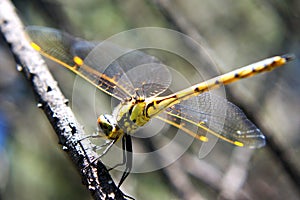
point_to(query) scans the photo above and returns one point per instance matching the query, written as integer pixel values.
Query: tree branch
(54, 105)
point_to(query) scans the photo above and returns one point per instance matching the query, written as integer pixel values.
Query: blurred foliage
(33, 165)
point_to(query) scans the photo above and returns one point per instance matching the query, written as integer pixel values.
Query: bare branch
(54, 104)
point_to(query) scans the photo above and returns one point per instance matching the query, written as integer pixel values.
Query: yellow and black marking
(157, 104)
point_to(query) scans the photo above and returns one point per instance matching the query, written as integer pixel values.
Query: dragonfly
(137, 81)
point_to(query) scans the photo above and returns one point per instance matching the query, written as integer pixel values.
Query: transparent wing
(217, 116)
(105, 64)
(63, 48)
(141, 74)
(56, 44)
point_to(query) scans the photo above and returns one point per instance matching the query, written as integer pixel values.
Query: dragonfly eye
(105, 122)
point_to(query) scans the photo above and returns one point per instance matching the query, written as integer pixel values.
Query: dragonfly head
(108, 125)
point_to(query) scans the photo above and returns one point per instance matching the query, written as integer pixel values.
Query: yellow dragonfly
(137, 80)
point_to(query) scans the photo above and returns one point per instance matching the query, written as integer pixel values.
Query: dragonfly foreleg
(109, 144)
(94, 135)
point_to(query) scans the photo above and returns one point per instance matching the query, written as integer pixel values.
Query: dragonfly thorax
(127, 117)
(130, 115)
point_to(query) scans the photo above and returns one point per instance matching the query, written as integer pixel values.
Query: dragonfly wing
(141, 71)
(104, 64)
(217, 116)
(150, 79)
(54, 43)
(63, 49)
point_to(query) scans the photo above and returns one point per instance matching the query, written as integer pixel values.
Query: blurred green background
(33, 165)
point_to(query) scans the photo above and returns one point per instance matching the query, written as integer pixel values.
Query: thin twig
(54, 105)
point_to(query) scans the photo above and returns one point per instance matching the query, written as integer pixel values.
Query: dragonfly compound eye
(105, 122)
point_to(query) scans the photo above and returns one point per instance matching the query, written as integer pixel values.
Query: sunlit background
(235, 33)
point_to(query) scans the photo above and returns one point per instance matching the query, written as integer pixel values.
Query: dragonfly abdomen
(156, 105)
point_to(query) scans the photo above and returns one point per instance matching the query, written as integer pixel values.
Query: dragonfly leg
(94, 135)
(99, 147)
(127, 157)
(124, 155)
(109, 145)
